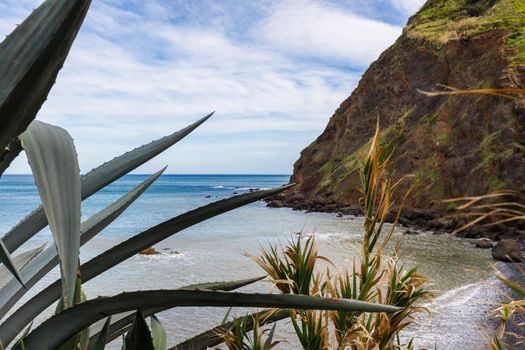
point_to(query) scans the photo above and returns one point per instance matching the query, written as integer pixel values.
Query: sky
(274, 72)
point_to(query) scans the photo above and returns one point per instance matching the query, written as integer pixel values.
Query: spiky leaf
(101, 339)
(20, 261)
(5, 258)
(139, 337)
(125, 250)
(212, 337)
(97, 179)
(76, 318)
(158, 333)
(122, 321)
(47, 260)
(53, 159)
(30, 58)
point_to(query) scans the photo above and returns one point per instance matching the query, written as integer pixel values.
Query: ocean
(462, 276)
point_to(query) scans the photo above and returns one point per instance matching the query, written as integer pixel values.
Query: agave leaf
(158, 333)
(11, 152)
(30, 58)
(122, 321)
(101, 339)
(212, 337)
(28, 311)
(47, 260)
(76, 318)
(139, 337)
(78, 341)
(103, 218)
(224, 286)
(53, 159)
(26, 332)
(20, 261)
(97, 179)
(5, 258)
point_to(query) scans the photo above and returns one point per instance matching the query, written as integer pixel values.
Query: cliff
(453, 145)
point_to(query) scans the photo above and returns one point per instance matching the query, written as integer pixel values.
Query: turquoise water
(215, 250)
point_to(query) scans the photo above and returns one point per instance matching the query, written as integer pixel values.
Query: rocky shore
(416, 220)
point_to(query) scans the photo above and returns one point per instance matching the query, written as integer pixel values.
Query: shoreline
(490, 293)
(416, 219)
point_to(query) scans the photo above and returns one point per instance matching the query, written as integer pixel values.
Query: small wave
(456, 296)
(165, 255)
(253, 188)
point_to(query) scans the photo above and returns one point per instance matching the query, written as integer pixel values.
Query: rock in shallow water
(484, 243)
(149, 251)
(275, 204)
(508, 250)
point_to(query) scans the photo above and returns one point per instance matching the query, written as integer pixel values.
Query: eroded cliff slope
(455, 146)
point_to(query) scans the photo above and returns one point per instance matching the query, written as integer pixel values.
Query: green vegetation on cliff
(442, 20)
(453, 146)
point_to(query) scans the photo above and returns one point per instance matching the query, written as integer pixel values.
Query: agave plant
(30, 59)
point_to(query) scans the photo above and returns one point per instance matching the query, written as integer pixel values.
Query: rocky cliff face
(455, 146)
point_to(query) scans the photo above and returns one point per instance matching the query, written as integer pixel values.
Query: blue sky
(274, 72)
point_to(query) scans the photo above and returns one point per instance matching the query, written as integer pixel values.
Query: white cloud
(135, 75)
(324, 31)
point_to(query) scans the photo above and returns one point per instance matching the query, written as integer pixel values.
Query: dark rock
(484, 243)
(339, 215)
(276, 204)
(149, 251)
(507, 250)
(208, 196)
(411, 232)
(297, 197)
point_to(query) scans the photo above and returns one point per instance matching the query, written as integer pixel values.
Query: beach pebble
(484, 243)
(508, 250)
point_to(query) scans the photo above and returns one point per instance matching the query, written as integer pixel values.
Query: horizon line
(178, 174)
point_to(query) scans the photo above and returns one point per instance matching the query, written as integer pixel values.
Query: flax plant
(370, 279)
(246, 334)
(293, 272)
